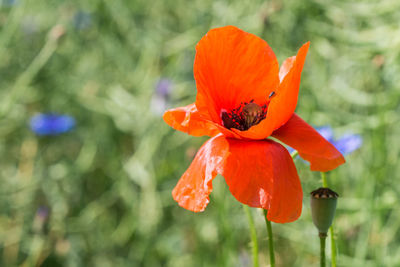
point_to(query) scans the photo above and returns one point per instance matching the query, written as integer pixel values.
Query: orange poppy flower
(242, 99)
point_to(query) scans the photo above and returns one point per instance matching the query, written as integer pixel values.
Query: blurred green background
(101, 194)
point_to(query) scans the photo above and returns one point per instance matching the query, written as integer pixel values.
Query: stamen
(244, 116)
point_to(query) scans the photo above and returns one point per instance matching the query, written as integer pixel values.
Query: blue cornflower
(8, 3)
(82, 20)
(163, 87)
(160, 98)
(42, 213)
(345, 144)
(51, 124)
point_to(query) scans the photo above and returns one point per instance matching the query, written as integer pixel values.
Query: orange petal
(188, 119)
(262, 174)
(232, 66)
(311, 146)
(195, 185)
(284, 101)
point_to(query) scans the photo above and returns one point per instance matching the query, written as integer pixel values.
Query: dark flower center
(245, 116)
(324, 192)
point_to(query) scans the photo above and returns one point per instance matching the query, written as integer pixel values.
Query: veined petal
(286, 67)
(232, 66)
(283, 102)
(262, 174)
(193, 189)
(188, 119)
(321, 154)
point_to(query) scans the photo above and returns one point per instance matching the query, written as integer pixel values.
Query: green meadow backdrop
(100, 195)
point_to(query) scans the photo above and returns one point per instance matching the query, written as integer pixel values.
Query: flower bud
(323, 207)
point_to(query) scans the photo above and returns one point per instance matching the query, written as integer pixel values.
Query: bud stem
(331, 230)
(270, 240)
(333, 246)
(322, 239)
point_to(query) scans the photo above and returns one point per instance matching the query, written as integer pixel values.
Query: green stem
(31, 71)
(322, 239)
(331, 229)
(253, 235)
(324, 180)
(294, 154)
(270, 240)
(333, 246)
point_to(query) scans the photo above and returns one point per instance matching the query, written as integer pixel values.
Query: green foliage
(108, 183)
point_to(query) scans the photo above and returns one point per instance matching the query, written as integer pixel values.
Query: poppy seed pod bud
(251, 113)
(323, 207)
